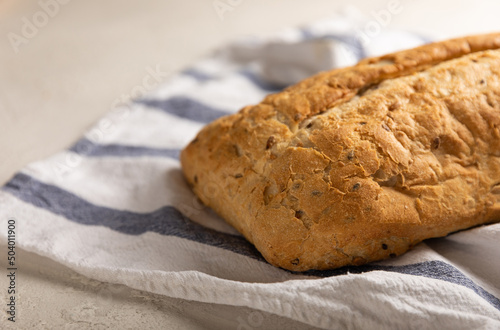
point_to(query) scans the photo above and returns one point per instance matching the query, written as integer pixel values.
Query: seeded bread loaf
(360, 164)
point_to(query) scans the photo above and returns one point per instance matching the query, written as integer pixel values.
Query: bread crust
(360, 164)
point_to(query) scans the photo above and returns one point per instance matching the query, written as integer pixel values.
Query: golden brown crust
(360, 164)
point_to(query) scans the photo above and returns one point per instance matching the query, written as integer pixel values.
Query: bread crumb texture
(360, 164)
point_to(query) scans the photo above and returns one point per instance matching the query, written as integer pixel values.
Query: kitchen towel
(115, 206)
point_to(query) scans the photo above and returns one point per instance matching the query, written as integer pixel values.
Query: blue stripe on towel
(185, 107)
(260, 82)
(165, 221)
(90, 149)
(249, 74)
(198, 75)
(442, 271)
(434, 269)
(169, 221)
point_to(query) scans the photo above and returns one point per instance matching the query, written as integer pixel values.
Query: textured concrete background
(67, 73)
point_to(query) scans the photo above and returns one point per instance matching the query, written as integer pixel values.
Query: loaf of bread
(360, 164)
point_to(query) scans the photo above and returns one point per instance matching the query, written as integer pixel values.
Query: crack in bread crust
(360, 164)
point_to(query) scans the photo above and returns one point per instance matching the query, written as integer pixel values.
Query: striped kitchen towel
(115, 206)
